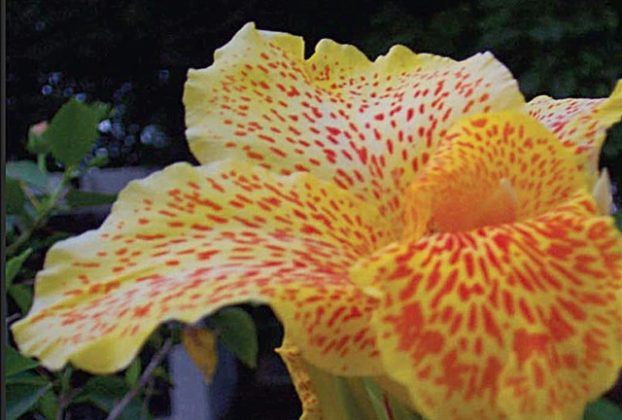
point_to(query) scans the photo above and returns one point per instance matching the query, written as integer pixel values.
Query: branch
(143, 381)
(42, 217)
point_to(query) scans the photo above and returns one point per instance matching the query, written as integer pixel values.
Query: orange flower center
(459, 207)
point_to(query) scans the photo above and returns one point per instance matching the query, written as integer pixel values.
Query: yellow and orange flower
(411, 219)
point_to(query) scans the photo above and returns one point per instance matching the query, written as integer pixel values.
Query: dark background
(134, 54)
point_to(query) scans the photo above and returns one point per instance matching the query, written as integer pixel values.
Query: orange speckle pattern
(406, 219)
(284, 240)
(495, 322)
(491, 169)
(365, 126)
(579, 123)
(513, 318)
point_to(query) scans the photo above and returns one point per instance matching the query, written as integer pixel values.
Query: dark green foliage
(236, 330)
(558, 48)
(73, 130)
(135, 54)
(21, 397)
(77, 198)
(105, 391)
(137, 57)
(27, 171)
(15, 197)
(602, 410)
(31, 201)
(16, 363)
(13, 266)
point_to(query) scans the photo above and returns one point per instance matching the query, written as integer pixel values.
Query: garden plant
(434, 245)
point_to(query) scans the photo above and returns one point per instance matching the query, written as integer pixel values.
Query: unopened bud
(37, 143)
(39, 128)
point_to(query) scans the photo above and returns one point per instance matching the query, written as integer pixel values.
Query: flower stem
(143, 381)
(42, 216)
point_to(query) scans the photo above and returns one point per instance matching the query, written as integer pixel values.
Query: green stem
(66, 394)
(142, 381)
(43, 215)
(41, 163)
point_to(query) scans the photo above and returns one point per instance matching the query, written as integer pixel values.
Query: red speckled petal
(491, 168)
(504, 298)
(186, 241)
(366, 126)
(302, 380)
(580, 123)
(517, 321)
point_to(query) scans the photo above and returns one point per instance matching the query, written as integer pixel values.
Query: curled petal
(186, 241)
(302, 379)
(366, 126)
(327, 396)
(504, 297)
(491, 169)
(601, 191)
(580, 123)
(518, 321)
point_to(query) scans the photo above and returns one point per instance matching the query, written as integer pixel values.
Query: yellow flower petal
(200, 344)
(366, 126)
(491, 169)
(324, 395)
(514, 321)
(580, 123)
(185, 242)
(506, 300)
(301, 378)
(602, 192)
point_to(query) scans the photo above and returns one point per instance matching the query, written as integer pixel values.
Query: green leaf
(48, 405)
(20, 398)
(26, 378)
(98, 161)
(106, 391)
(28, 172)
(15, 197)
(11, 222)
(73, 130)
(77, 198)
(602, 409)
(618, 218)
(65, 378)
(132, 373)
(16, 363)
(14, 265)
(103, 391)
(48, 240)
(161, 373)
(134, 411)
(237, 332)
(22, 296)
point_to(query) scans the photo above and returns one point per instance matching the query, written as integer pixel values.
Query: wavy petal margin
(491, 168)
(512, 321)
(580, 124)
(367, 126)
(302, 379)
(515, 315)
(188, 240)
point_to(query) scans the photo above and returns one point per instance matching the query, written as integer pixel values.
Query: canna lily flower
(409, 219)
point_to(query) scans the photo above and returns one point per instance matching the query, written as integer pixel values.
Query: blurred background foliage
(134, 55)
